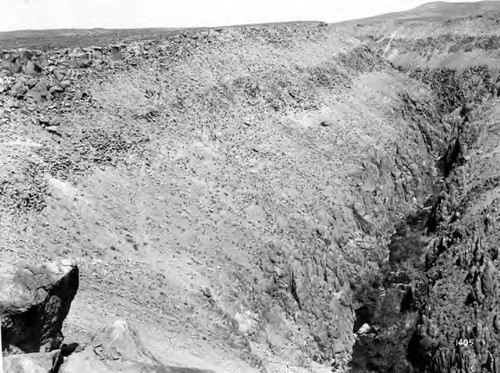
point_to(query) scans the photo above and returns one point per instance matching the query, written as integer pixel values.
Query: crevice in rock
(392, 313)
(388, 318)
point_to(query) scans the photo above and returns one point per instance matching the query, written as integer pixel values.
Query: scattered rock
(3, 85)
(53, 130)
(365, 329)
(19, 89)
(97, 53)
(116, 55)
(206, 292)
(34, 301)
(496, 323)
(39, 92)
(80, 95)
(32, 68)
(488, 282)
(148, 113)
(56, 89)
(12, 104)
(65, 84)
(59, 75)
(31, 82)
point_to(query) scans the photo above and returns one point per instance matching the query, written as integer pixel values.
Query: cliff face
(455, 285)
(252, 196)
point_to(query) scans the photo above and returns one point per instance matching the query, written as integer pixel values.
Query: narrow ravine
(394, 302)
(385, 326)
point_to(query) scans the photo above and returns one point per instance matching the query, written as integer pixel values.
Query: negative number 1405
(465, 342)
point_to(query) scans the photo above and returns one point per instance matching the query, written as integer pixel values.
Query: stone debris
(365, 329)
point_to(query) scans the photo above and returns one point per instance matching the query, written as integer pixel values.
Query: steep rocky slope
(229, 189)
(276, 198)
(454, 287)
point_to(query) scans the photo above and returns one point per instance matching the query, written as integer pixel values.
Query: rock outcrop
(34, 301)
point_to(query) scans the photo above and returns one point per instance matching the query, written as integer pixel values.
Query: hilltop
(437, 11)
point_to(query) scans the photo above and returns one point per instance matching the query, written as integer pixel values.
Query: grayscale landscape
(298, 197)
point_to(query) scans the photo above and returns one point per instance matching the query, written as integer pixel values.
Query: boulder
(496, 323)
(365, 329)
(118, 349)
(488, 279)
(59, 74)
(32, 68)
(33, 363)
(116, 54)
(40, 91)
(56, 89)
(4, 85)
(19, 89)
(65, 83)
(97, 53)
(34, 301)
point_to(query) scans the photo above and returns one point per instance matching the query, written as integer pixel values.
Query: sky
(47, 14)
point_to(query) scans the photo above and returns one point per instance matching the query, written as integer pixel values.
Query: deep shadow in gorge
(391, 310)
(393, 303)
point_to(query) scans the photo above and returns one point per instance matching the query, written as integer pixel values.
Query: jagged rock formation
(34, 301)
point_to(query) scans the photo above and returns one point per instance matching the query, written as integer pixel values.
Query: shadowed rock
(34, 301)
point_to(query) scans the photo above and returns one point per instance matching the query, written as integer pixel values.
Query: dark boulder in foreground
(34, 301)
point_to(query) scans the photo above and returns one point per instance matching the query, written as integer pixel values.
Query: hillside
(437, 11)
(272, 198)
(436, 35)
